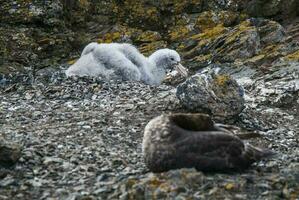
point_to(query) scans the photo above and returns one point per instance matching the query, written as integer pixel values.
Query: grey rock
(217, 94)
(9, 153)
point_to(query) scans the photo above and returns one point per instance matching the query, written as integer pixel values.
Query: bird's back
(144, 65)
(168, 146)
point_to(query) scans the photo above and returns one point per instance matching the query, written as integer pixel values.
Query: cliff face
(47, 33)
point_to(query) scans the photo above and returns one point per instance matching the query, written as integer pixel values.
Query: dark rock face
(216, 94)
(280, 10)
(253, 41)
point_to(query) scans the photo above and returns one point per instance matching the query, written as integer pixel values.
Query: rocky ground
(81, 138)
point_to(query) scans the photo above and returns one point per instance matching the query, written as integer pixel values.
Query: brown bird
(193, 140)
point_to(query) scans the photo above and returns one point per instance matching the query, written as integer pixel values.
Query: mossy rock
(210, 19)
(147, 36)
(149, 48)
(293, 56)
(136, 13)
(178, 33)
(277, 9)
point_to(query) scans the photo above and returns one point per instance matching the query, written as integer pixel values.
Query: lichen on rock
(216, 94)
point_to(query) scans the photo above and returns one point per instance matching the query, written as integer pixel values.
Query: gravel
(81, 139)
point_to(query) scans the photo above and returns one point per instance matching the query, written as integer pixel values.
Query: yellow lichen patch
(237, 32)
(201, 40)
(155, 182)
(229, 186)
(227, 17)
(181, 47)
(136, 11)
(221, 80)
(131, 182)
(118, 33)
(149, 48)
(210, 33)
(178, 6)
(204, 39)
(206, 20)
(256, 59)
(165, 187)
(243, 16)
(294, 195)
(244, 25)
(293, 56)
(83, 3)
(148, 36)
(203, 58)
(269, 52)
(181, 21)
(210, 19)
(178, 33)
(110, 37)
(70, 62)
(270, 48)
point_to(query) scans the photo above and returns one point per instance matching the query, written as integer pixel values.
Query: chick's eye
(171, 58)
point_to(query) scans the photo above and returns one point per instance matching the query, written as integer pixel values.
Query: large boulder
(216, 94)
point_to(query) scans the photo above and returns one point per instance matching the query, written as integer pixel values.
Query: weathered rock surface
(216, 94)
(41, 34)
(9, 153)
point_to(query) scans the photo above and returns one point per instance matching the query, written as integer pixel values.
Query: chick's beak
(181, 69)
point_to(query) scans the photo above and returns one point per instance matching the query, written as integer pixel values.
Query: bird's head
(169, 60)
